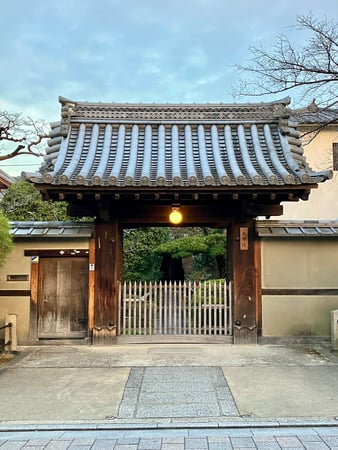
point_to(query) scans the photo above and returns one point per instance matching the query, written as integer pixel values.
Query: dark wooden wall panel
(108, 261)
(244, 282)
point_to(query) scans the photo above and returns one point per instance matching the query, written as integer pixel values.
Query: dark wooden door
(63, 297)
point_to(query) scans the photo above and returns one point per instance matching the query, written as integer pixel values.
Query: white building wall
(323, 202)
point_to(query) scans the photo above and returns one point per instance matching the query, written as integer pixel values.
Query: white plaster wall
(18, 264)
(310, 315)
(20, 306)
(304, 263)
(323, 202)
(299, 263)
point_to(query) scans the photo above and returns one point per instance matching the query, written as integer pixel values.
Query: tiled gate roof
(186, 145)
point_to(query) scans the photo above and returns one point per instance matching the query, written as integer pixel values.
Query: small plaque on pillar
(243, 238)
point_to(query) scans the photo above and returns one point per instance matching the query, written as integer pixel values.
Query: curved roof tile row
(262, 151)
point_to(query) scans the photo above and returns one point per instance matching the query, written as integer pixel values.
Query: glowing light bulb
(175, 217)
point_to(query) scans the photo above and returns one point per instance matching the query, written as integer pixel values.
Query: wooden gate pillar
(108, 267)
(242, 246)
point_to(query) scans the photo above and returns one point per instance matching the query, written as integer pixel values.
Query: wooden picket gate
(188, 311)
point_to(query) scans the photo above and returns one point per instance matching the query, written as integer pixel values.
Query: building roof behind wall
(5, 180)
(271, 228)
(314, 115)
(51, 229)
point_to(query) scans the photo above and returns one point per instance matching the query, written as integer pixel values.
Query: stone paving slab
(157, 392)
(87, 384)
(207, 355)
(298, 391)
(247, 438)
(63, 394)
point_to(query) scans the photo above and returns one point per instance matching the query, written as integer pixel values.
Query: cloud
(132, 50)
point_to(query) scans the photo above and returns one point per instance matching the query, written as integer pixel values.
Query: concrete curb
(172, 425)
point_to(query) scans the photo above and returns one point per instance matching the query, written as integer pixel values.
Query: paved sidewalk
(170, 397)
(310, 438)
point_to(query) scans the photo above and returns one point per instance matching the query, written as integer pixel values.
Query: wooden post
(91, 284)
(10, 333)
(33, 325)
(244, 282)
(108, 266)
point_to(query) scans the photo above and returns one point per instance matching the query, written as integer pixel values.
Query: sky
(135, 51)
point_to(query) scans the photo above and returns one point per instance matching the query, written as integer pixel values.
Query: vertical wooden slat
(205, 306)
(170, 304)
(180, 315)
(150, 309)
(174, 321)
(177, 287)
(189, 307)
(161, 307)
(165, 324)
(201, 306)
(156, 290)
(230, 316)
(145, 308)
(217, 305)
(119, 286)
(138, 302)
(128, 298)
(192, 309)
(184, 305)
(127, 308)
(124, 307)
(196, 299)
(178, 308)
(130, 306)
(133, 306)
(201, 311)
(208, 296)
(222, 316)
(206, 302)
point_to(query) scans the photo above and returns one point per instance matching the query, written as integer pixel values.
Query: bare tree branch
(21, 135)
(311, 69)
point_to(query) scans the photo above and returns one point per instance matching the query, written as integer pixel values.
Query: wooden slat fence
(167, 309)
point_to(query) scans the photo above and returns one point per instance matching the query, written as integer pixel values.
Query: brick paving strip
(171, 392)
(294, 438)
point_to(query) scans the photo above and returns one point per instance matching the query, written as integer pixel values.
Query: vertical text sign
(243, 238)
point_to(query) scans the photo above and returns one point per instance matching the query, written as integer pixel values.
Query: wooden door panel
(47, 297)
(79, 296)
(63, 297)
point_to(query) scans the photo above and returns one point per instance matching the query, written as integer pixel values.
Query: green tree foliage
(5, 238)
(208, 252)
(22, 201)
(140, 262)
(187, 246)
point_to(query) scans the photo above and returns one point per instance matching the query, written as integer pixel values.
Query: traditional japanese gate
(163, 311)
(130, 165)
